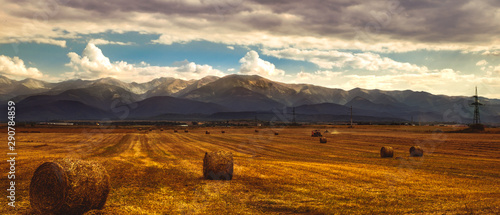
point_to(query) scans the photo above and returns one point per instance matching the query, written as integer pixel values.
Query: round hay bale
(386, 152)
(223, 132)
(186, 131)
(256, 131)
(69, 186)
(416, 151)
(207, 132)
(322, 139)
(218, 165)
(175, 131)
(276, 133)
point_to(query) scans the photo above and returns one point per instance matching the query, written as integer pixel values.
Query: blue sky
(443, 47)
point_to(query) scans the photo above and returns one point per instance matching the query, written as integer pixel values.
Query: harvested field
(162, 172)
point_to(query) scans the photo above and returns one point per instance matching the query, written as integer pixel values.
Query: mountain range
(230, 97)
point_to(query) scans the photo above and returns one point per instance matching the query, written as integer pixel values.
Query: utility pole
(477, 118)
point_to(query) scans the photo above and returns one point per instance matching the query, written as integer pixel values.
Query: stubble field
(160, 172)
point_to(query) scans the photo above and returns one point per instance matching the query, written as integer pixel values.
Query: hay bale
(223, 132)
(207, 132)
(69, 186)
(276, 133)
(256, 131)
(386, 152)
(175, 131)
(218, 165)
(416, 151)
(322, 139)
(186, 131)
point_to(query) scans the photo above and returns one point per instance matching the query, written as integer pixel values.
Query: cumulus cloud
(16, 69)
(94, 64)
(336, 59)
(251, 64)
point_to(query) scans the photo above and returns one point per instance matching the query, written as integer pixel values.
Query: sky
(439, 46)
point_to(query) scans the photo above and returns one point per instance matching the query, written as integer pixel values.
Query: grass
(160, 172)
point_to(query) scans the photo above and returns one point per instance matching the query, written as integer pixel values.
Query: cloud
(491, 53)
(94, 64)
(481, 63)
(16, 69)
(251, 64)
(107, 42)
(336, 59)
(321, 78)
(230, 47)
(388, 26)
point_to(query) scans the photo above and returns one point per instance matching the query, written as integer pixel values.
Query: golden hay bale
(416, 151)
(69, 186)
(207, 132)
(322, 139)
(386, 152)
(218, 165)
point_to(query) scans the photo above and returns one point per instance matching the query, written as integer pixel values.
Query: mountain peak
(5, 80)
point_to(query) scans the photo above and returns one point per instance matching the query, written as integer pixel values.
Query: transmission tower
(476, 104)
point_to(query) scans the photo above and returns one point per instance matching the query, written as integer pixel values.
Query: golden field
(160, 172)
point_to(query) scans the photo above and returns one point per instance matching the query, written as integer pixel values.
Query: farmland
(160, 172)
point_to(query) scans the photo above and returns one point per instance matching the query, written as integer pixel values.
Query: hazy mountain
(235, 94)
(11, 88)
(273, 90)
(103, 96)
(242, 99)
(161, 105)
(69, 85)
(168, 87)
(58, 110)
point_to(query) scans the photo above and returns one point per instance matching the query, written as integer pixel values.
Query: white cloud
(230, 47)
(93, 64)
(100, 41)
(251, 64)
(16, 69)
(481, 63)
(492, 53)
(336, 59)
(33, 39)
